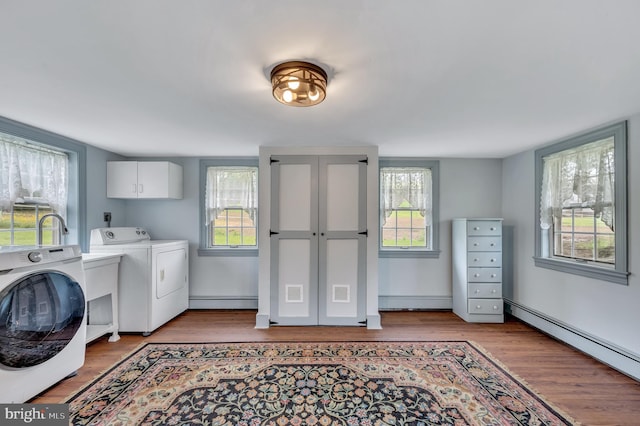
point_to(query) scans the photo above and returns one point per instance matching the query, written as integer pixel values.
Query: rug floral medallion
(364, 383)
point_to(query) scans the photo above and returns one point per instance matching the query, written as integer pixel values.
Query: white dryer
(42, 318)
(153, 278)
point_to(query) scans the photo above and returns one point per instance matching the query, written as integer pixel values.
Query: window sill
(228, 252)
(409, 254)
(585, 270)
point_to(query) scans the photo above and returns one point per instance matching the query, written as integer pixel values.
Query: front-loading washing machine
(42, 318)
(153, 278)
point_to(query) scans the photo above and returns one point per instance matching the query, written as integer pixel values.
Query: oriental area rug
(358, 383)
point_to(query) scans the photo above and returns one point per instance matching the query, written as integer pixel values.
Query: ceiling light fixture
(299, 83)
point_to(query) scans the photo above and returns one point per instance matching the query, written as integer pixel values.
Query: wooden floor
(585, 389)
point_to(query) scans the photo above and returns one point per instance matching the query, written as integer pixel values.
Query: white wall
(215, 282)
(600, 318)
(96, 197)
(468, 188)
(597, 310)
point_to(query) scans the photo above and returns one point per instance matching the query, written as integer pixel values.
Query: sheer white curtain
(579, 177)
(410, 185)
(30, 173)
(231, 187)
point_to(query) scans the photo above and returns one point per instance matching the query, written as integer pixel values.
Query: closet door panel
(342, 245)
(295, 197)
(318, 240)
(294, 240)
(341, 206)
(294, 278)
(342, 278)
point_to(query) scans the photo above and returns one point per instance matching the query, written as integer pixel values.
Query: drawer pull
(476, 228)
(478, 306)
(493, 228)
(475, 259)
(476, 275)
(493, 260)
(475, 244)
(495, 308)
(477, 290)
(492, 244)
(493, 275)
(493, 290)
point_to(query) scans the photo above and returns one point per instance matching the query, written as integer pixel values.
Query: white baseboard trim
(414, 302)
(223, 302)
(618, 358)
(373, 322)
(262, 320)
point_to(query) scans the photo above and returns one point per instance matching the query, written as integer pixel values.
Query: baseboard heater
(618, 358)
(223, 302)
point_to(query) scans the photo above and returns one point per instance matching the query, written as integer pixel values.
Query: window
(409, 208)
(229, 207)
(34, 183)
(581, 205)
(73, 210)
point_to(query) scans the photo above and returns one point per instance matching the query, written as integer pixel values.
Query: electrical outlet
(107, 216)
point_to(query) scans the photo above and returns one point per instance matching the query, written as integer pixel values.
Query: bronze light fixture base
(298, 83)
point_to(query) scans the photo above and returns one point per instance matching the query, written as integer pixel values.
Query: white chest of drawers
(477, 269)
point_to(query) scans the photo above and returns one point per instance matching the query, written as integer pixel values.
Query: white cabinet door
(122, 179)
(153, 179)
(144, 179)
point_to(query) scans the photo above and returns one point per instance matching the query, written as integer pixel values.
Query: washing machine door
(39, 315)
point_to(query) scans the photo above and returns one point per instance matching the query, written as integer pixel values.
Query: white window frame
(414, 252)
(76, 218)
(617, 273)
(227, 251)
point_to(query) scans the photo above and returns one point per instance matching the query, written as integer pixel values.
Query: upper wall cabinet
(144, 179)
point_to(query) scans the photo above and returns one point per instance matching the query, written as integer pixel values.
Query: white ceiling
(415, 77)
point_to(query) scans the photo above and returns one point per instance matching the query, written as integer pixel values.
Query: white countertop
(101, 257)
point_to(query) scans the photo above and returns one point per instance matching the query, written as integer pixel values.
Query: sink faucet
(62, 227)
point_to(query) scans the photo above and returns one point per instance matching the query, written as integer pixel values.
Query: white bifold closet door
(318, 240)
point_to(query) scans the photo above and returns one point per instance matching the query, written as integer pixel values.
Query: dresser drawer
(475, 259)
(484, 243)
(485, 306)
(484, 227)
(485, 291)
(484, 275)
